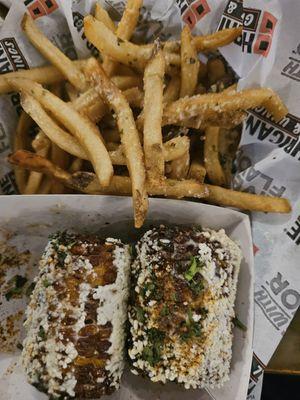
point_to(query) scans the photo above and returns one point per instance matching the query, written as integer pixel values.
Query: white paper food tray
(30, 219)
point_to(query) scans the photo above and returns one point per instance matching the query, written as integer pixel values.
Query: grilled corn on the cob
(184, 282)
(76, 317)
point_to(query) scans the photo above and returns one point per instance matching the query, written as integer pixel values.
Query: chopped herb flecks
(239, 324)
(18, 283)
(152, 352)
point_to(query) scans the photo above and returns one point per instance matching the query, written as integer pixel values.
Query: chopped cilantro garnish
(46, 283)
(152, 352)
(164, 311)
(18, 281)
(195, 267)
(239, 324)
(29, 289)
(19, 346)
(140, 314)
(132, 251)
(42, 333)
(196, 287)
(154, 291)
(192, 328)
(192, 275)
(175, 297)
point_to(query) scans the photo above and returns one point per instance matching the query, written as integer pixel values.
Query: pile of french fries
(145, 120)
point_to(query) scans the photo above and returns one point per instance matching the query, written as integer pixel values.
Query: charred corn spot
(76, 317)
(184, 285)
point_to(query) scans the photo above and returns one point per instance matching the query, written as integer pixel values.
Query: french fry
(36, 163)
(129, 19)
(172, 90)
(76, 165)
(44, 75)
(120, 50)
(247, 201)
(102, 15)
(53, 131)
(45, 186)
(21, 141)
(189, 64)
(124, 70)
(207, 42)
(88, 98)
(71, 92)
(86, 133)
(41, 145)
(212, 163)
(135, 97)
(217, 39)
(91, 104)
(172, 150)
(61, 159)
(124, 30)
(87, 182)
(110, 45)
(228, 145)
(176, 148)
(180, 167)
(218, 108)
(215, 70)
(153, 110)
(197, 171)
(129, 137)
(53, 54)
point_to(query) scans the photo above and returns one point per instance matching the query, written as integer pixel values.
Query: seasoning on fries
(151, 120)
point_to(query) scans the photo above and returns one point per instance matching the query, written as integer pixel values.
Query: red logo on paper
(263, 42)
(195, 12)
(255, 249)
(39, 8)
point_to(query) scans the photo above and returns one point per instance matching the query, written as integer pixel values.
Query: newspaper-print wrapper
(267, 54)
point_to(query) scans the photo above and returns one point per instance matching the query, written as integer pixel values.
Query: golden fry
(120, 50)
(247, 201)
(53, 131)
(91, 104)
(71, 92)
(216, 108)
(172, 90)
(21, 141)
(197, 171)
(61, 159)
(41, 145)
(172, 150)
(86, 133)
(180, 166)
(129, 137)
(215, 69)
(217, 39)
(153, 110)
(87, 182)
(189, 64)
(176, 148)
(124, 30)
(102, 15)
(53, 54)
(212, 163)
(45, 186)
(44, 75)
(228, 145)
(76, 165)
